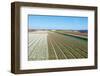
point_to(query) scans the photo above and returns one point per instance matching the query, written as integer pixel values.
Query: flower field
(53, 45)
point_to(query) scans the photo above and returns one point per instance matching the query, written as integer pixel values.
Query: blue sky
(57, 22)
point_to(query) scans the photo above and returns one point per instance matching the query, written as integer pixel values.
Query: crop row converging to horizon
(57, 44)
